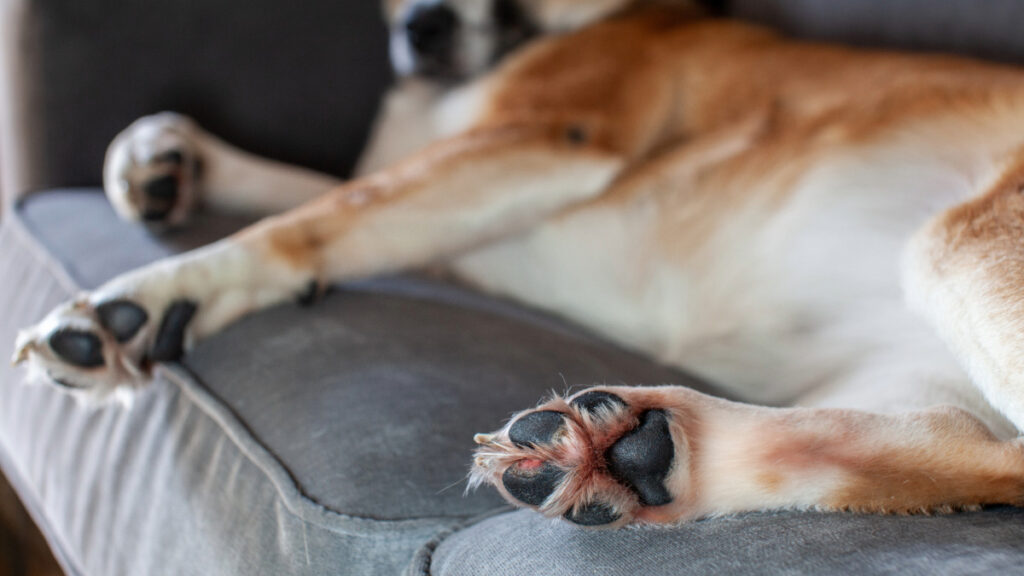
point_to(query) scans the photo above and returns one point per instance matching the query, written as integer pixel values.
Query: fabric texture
(982, 28)
(524, 544)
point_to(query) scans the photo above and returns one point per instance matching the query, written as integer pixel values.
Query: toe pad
(532, 487)
(536, 428)
(78, 348)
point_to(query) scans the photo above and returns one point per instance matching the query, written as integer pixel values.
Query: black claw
(643, 457)
(65, 384)
(160, 196)
(162, 188)
(592, 514)
(310, 295)
(170, 339)
(536, 428)
(591, 401)
(122, 318)
(532, 486)
(78, 348)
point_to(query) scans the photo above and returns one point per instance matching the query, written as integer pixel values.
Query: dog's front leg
(456, 195)
(610, 456)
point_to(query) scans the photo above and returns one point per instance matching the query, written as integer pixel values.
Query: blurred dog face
(450, 40)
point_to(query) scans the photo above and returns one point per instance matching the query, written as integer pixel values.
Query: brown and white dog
(836, 230)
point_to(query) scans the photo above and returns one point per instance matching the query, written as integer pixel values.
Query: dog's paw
(105, 343)
(152, 170)
(604, 457)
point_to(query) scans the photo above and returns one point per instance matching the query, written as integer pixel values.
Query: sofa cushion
(990, 29)
(355, 415)
(521, 543)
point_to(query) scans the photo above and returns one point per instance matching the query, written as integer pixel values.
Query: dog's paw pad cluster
(594, 460)
(97, 349)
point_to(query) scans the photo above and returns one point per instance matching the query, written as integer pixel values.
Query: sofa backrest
(300, 80)
(297, 80)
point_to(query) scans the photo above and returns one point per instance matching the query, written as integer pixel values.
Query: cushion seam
(298, 503)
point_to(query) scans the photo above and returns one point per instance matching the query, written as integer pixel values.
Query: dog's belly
(773, 300)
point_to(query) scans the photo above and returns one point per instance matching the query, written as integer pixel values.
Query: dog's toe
(537, 428)
(593, 514)
(77, 347)
(532, 481)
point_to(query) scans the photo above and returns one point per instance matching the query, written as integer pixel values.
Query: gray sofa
(335, 439)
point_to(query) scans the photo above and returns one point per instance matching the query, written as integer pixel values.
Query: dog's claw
(20, 353)
(483, 438)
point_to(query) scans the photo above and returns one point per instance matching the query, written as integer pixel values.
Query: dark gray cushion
(522, 544)
(298, 81)
(985, 28)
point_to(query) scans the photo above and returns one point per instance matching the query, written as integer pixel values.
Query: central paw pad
(594, 461)
(643, 458)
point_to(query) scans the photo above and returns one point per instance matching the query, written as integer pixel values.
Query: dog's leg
(611, 456)
(964, 272)
(162, 167)
(455, 195)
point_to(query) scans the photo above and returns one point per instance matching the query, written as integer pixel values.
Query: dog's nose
(431, 31)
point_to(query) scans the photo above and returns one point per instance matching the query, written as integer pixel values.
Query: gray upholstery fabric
(523, 544)
(984, 28)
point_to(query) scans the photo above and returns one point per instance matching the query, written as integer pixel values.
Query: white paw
(105, 343)
(152, 170)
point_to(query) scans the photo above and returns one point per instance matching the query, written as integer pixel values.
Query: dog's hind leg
(611, 456)
(964, 272)
(456, 195)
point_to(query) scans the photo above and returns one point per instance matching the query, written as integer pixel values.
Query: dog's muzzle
(435, 40)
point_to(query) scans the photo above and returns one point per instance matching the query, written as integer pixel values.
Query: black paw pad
(643, 458)
(536, 428)
(592, 514)
(532, 485)
(122, 318)
(161, 195)
(78, 348)
(590, 402)
(170, 339)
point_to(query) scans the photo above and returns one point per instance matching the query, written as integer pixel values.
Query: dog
(835, 236)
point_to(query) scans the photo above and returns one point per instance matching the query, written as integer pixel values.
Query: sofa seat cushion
(338, 433)
(521, 543)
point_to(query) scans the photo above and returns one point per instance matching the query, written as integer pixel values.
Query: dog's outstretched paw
(152, 170)
(602, 458)
(104, 344)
